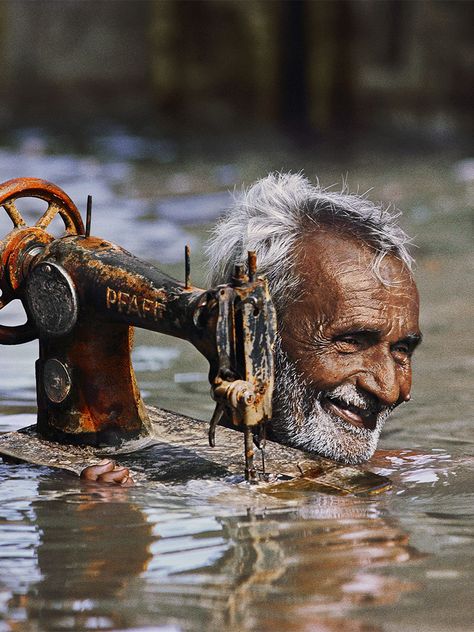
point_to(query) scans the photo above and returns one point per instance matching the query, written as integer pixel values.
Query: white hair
(276, 212)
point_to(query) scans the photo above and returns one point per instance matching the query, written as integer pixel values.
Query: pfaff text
(131, 304)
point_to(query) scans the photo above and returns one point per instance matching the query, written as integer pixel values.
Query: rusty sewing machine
(83, 296)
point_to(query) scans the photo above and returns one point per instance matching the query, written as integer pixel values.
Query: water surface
(210, 553)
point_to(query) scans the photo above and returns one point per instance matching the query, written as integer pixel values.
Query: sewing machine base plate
(178, 450)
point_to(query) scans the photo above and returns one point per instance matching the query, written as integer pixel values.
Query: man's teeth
(362, 417)
(340, 403)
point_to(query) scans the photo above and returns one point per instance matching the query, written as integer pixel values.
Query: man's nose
(386, 381)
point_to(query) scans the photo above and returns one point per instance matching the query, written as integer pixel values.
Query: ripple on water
(213, 553)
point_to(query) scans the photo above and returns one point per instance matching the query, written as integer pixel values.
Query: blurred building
(298, 64)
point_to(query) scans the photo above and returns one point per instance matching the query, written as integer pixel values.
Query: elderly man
(341, 278)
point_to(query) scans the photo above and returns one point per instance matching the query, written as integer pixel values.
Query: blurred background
(220, 66)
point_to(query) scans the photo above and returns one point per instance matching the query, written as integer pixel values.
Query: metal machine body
(83, 296)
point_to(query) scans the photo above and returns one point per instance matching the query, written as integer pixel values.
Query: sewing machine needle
(262, 440)
(250, 474)
(215, 419)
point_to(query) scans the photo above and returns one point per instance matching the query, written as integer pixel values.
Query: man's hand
(107, 472)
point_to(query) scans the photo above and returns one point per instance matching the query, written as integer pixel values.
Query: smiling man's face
(344, 358)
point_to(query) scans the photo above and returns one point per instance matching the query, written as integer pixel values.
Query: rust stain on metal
(17, 246)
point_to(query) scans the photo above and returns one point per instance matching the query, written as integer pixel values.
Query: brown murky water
(209, 553)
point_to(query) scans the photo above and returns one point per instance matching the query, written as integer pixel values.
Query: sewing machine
(83, 296)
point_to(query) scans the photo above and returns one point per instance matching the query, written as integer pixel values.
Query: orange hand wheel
(23, 238)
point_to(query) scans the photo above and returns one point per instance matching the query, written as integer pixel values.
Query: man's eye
(347, 344)
(402, 349)
(350, 341)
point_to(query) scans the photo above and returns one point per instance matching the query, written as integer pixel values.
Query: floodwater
(210, 553)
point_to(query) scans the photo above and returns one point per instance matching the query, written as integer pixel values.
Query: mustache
(352, 396)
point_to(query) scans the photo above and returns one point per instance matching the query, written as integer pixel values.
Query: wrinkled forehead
(336, 266)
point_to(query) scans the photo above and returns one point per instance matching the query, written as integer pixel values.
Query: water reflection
(86, 570)
(309, 567)
(106, 562)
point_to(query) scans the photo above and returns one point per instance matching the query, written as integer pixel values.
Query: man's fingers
(93, 472)
(120, 475)
(107, 472)
(128, 482)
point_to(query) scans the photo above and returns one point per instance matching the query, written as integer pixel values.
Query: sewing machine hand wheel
(58, 203)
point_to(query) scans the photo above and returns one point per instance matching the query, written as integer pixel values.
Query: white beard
(300, 421)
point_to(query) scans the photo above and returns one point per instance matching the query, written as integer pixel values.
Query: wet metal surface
(208, 552)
